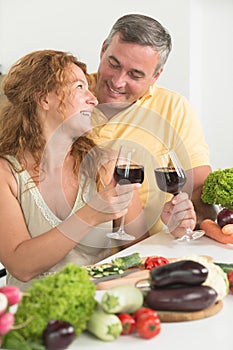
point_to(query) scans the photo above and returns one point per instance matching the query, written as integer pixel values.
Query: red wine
(168, 179)
(125, 175)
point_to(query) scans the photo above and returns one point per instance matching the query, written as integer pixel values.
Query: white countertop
(210, 333)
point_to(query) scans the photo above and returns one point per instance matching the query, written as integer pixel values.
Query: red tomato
(128, 323)
(144, 311)
(230, 279)
(148, 326)
(154, 261)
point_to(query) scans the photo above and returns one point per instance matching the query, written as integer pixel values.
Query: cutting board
(175, 316)
(165, 316)
(131, 279)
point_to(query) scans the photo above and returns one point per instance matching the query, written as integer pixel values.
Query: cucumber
(124, 298)
(128, 261)
(186, 272)
(192, 298)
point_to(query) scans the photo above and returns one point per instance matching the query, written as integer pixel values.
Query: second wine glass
(170, 177)
(127, 170)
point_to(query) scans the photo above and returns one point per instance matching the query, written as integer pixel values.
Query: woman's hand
(112, 202)
(179, 214)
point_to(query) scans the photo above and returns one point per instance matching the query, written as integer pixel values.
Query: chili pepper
(144, 311)
(154, 261)
(58, 335)
(127, 322)
(230, 279)
(148, 326)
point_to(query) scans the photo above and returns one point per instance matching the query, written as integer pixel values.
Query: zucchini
(192, 298)
(124, 298)
(186, 272)
(104, 326)
(128, 261)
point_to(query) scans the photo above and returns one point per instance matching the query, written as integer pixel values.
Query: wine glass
(126, 171)
(170, 177)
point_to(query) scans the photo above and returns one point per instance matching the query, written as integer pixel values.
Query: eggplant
(191, 298)
(183, 272)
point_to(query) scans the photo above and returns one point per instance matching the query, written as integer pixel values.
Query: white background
(199, 67)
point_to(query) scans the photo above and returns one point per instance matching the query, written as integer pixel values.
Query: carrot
(214, 231)
(228, 229)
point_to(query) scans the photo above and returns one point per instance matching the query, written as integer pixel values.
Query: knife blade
(112, 277)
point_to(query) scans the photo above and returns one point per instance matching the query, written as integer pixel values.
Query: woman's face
(78, 102)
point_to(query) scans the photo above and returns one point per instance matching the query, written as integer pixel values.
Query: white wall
(200, 65)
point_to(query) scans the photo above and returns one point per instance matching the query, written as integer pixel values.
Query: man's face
(126, 71)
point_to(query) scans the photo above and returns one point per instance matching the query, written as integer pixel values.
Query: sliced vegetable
(128, 261)
(148, 326)
(191, 298)
(226, 267)
(58, 335)
(124, 298)
(104, 326)
(155, 261)
(227, 229)
(127, 322)
(179, 272)
(98, 271)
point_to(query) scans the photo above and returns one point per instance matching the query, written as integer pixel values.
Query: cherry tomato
(230, 279)
(154, 261)
(148, 326)
(127, 322)
(144, 311)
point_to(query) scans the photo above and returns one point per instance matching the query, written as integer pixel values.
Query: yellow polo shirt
(161, 119)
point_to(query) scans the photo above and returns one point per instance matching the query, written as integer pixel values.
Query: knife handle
(130, 279)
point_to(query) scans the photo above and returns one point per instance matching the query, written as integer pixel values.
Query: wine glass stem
(121, 228)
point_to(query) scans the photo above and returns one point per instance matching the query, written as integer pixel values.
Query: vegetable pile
(218, 187)
(68, 295)
(121, 311)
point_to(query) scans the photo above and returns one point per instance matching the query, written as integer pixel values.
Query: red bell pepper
(154, 261)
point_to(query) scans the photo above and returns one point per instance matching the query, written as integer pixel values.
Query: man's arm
(195, 182)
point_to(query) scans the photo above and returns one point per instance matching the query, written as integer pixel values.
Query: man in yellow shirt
(133, 109)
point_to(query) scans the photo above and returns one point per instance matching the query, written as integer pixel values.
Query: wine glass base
(121, 236)
(192, 236)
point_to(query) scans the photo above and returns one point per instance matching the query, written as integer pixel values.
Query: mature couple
(60, 130)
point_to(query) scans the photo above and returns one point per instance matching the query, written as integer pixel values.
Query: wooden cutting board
(131, 279)
(175, 316)
(165, 316)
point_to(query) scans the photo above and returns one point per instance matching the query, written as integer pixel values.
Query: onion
(225, 217)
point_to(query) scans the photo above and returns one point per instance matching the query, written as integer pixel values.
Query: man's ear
(104, 46)
(157, 75)
(42, 101)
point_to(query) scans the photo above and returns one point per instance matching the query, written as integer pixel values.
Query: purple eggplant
(192, 298)
(183, 272)
(58, 335)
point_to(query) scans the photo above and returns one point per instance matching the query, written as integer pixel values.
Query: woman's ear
(42, 101)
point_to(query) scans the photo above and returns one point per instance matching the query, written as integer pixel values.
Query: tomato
(127, 322)
(148, 326)
(144, 311)
(154, 261)
(230, 279)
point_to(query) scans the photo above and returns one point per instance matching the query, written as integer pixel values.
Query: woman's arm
(25, 257)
